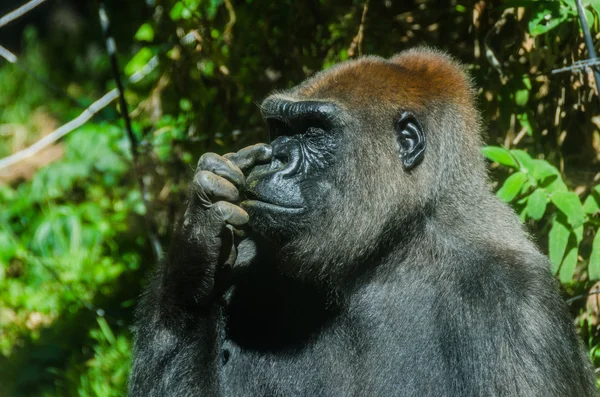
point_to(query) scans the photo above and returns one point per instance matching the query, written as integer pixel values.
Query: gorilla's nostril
(278, 162)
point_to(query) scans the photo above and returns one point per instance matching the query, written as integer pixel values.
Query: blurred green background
(74, 241)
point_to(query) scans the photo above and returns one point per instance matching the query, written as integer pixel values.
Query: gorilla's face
(361, 151)
(285, 195)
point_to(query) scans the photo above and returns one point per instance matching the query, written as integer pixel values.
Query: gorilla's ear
(410, 139)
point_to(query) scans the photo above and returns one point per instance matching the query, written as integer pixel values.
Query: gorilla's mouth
(265, 205)
(253, 200)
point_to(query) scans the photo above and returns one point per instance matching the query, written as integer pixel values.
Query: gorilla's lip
(253, 199)
(272, 207)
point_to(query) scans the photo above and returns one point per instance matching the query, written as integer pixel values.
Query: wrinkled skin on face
(287, 193)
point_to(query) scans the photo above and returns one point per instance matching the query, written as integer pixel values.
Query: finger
(251, 155)
(221, 166)
(231, 213)
(228, 249)
(216, 187)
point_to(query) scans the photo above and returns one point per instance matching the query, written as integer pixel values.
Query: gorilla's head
(363, 153)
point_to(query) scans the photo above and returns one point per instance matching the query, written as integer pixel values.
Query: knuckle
(205, 178)
(264, 151)
(223, 210)
(206, 160)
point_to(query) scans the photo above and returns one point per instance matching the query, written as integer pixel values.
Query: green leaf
(524, 159)
(567, 268)
(145, 33)
(536, 204)
(595, 5)
(570, 205)
(558, 239)
(512, 186)
(546, 16)
(8, 249)
(548, 176)
(106, 331)
(525, 123)
(594, 264)
(176, 11)
(138, 61)
(591, 205)
(521, 97)
(500, 155)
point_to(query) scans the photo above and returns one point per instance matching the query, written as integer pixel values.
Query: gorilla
(359, 253)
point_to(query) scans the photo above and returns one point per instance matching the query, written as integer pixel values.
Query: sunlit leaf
(524, 159)
(512, 186)
(567, 268)
(500, 155)
(521, 97)
(594, 264)
(591, 204)
(145, 33)
(546, 16)
(536, 204)
(548, 176)
(138, 61)
(570, 205)
(525, 123)
(558, 239)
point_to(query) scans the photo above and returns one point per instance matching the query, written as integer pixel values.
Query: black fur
(365, 277)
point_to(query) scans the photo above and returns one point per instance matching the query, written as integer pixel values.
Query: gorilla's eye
(292, 118)
(299, 126)
(277, 128)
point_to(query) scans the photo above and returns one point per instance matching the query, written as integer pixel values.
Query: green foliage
(59, 255)
(105, 374)
(73, 237)
(533, 185)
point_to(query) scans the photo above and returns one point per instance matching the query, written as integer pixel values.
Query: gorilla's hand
(203, 242)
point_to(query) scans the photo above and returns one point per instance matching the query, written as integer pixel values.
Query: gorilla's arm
(179, 319)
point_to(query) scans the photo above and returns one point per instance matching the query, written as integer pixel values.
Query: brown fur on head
(375, 201)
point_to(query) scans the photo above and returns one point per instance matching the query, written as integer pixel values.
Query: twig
(490, 54)
(358, 39)
(111, 48)
(585, 64)
(232, 18)
(588, 42)
(61, 131)
(9, 56)
(19, 12)
(77, 122)
(576, 297)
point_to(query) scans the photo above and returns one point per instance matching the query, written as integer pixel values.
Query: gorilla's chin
(273, 222)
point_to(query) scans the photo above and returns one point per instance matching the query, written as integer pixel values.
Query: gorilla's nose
(287, 156)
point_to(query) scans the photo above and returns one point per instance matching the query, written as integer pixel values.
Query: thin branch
(585, 64)
(19, 12)
(358, 39)
(61, 131)
(111, 49)
(589, 43)
(232, 18)
(77, 122)
(9, 56)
